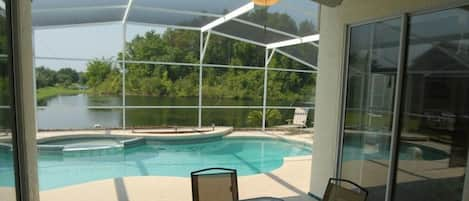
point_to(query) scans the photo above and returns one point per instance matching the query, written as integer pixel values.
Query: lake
(72, 112)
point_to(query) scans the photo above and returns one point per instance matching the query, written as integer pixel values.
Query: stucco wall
(330, 62)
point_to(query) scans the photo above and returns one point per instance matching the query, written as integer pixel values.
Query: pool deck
(290, 182)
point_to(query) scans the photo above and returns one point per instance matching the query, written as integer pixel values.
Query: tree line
(65, 77)
(104, 78)
(144, 79)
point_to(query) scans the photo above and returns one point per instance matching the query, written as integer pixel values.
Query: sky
(82, 42)
(105, 40)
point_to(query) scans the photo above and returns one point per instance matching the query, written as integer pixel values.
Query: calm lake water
(71, 112)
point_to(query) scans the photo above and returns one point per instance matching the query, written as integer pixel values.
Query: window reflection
(7, 171)
(436, 110)
(372, 71)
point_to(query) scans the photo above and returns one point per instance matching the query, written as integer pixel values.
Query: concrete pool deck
(289, 182)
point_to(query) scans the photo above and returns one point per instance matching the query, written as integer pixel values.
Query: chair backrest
(301, 116)
(214, 184)
(344, 190)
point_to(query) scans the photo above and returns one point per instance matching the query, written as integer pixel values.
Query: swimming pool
(247, 155)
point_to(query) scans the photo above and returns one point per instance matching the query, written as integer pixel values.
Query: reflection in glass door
(7, 170)
(434, 135)
(372, 68)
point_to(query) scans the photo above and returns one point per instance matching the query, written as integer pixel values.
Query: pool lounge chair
(218, 184)
(299, 120)
(344, 190)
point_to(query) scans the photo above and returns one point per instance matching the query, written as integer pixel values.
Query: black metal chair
(344, 190)
(218, 184)
(214, 184)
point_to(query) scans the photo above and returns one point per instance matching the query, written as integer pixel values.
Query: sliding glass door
(7, 170)
(431, 131)
(372, 69)
(434, 134)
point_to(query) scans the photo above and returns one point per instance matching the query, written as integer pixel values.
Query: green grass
(49, 92)
(353, 119)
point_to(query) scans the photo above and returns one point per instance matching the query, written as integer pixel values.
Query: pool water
(247, 155)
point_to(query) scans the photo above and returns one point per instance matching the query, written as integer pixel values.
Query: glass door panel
(372, 68)
(7, 170)
(434, 135)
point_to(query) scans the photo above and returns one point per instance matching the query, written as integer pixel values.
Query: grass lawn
(48, 92)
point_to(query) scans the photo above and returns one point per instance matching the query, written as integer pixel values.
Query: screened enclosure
(158, 63)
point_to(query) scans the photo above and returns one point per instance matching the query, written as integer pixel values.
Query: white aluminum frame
(296, 41)
(298, 60)
(231, 15)
(124, 69)
(204, 41)
(127, 11)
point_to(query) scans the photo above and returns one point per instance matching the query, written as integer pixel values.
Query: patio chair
(299, 120)
(214, 184)
(218, 184)
(344, 190)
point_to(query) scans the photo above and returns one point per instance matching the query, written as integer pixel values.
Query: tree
(83, 79)
(45, 77)
(96, 72)
(67, 76)
(103, 78)
(272, 117)
(171, 80)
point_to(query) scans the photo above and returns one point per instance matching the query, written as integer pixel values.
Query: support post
(268, 58)
(23, 101)
(264, 96)
(200, 78)
(124, 47)
(203, 49)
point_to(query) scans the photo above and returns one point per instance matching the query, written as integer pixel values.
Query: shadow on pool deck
(273, 177)
(121, 190)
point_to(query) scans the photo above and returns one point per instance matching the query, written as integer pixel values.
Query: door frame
(398, 96)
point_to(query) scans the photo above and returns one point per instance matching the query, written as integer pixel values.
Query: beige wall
(329, 84)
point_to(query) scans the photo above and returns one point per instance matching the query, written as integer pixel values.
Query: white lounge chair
(299, 120)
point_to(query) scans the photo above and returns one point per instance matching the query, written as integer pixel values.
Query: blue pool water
(247, 155)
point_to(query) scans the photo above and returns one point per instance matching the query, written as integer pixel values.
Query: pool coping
(129, 137)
